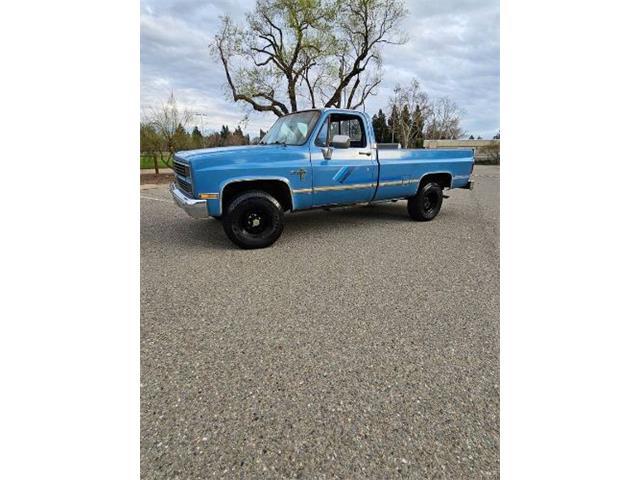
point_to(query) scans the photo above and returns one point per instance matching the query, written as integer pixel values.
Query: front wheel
(425, 205)
(253, 220)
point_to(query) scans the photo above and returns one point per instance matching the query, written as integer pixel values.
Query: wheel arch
(277, 187)
(444, 179)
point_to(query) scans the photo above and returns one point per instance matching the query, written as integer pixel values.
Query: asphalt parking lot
(361, 345)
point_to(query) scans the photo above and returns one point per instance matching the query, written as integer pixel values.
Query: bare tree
(444, 121)
(171, 123)
(412, 106)
(291, 54)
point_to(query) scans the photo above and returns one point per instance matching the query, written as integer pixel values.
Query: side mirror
(341, 141)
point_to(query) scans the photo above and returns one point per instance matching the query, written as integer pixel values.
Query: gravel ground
(361, 345)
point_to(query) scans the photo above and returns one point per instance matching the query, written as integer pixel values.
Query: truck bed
(401, 170)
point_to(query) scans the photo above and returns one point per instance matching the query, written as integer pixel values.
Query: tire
(426, 204)
(253, 220)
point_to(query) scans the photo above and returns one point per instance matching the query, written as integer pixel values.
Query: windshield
(291, 129)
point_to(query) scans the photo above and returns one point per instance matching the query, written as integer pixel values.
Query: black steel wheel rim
(430, 200)
(256, 221)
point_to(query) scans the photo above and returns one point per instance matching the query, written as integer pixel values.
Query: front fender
(216, 170)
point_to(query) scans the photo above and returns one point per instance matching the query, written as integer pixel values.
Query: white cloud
(453, 49)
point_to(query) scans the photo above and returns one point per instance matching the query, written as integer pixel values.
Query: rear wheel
(253, 220)
(426, 204)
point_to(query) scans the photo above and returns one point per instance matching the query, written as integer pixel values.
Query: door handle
(364, 153)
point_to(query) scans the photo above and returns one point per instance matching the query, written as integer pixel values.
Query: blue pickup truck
(319, 158)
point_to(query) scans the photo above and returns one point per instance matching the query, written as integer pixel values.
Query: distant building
(484, 150)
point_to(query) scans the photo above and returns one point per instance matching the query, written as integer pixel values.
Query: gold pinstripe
(356, 186)
(395, 183)
(331, 188)
(336, 188)
(353, 186)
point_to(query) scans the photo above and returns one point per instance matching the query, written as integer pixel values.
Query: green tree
(197, 140)
(380, 127)
(151, 143)
(225, 135)
(393, 123)
(182, 140)
(237, 137)
(213, 140)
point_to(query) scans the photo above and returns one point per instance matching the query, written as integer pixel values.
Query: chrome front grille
(184, 186)
(181, 169)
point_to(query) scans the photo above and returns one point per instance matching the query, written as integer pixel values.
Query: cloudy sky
(453, 49)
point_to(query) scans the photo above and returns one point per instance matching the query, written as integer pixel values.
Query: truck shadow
(298, 225)
(319, 218)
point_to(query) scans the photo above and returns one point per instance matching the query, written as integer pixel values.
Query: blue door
(350, 175)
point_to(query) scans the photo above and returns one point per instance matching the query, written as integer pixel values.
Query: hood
(189, 154)
(229, 154)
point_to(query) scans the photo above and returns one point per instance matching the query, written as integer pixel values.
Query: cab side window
(353, 128)
(342, 124)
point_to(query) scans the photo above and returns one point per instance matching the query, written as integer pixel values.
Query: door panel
(350, 175)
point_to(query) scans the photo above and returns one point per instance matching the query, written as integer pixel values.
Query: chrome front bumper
(195, 208)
